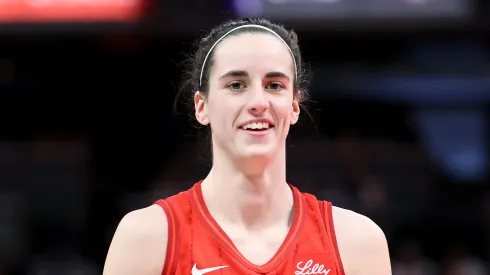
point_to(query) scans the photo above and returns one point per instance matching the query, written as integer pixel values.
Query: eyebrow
(236, 73)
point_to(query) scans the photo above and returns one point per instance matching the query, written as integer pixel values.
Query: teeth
(256, 125)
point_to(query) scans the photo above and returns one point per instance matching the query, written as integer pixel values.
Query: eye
(275, 86)
(236, 85)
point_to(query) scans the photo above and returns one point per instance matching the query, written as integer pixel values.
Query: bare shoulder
(139, 244)
(362, 244)
(357, 226)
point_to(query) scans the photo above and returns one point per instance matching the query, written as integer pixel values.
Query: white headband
(241, 27)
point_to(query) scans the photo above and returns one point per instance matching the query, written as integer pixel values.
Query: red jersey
(197, 245)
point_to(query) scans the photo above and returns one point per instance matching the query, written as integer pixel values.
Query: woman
(247, 82)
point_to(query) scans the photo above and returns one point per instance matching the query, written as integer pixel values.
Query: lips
(256, 125)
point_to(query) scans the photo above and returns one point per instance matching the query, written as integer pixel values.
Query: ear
(295, 110)
(200, 107)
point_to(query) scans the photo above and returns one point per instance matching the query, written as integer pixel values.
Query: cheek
(283, 110)
(221, 114)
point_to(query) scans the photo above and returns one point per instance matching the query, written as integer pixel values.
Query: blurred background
(398, 124)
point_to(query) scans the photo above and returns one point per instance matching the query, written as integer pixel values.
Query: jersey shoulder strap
(326, 210)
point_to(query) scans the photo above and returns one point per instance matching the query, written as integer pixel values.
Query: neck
(252, 198)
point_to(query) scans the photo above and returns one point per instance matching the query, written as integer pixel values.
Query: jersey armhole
(171, 257)
(326, 211)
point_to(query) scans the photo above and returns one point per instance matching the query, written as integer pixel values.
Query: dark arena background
(398, 128)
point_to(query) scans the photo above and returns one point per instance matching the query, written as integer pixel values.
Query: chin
(258, 151)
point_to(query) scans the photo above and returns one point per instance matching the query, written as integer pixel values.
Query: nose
(258, 102)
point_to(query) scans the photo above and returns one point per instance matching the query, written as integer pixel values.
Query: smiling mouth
(257, 126)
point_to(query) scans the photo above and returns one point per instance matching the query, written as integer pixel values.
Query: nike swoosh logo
(196, 271)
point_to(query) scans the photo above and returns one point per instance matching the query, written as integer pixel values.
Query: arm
(139, 244)
(362, 244)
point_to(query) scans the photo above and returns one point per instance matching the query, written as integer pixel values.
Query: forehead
(256, 53)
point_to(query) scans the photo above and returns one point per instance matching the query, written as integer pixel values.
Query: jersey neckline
(287, 246)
